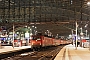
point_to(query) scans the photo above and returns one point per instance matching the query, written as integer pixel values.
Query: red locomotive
(43, 41)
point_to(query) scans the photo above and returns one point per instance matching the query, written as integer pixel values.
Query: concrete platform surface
(10, 48)
(69, 52)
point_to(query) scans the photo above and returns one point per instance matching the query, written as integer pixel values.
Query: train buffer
(69, 52)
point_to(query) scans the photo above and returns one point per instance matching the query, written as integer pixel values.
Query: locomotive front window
(36, 38)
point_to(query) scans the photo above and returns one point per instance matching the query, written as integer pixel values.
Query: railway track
(42, 54)
(50, 55)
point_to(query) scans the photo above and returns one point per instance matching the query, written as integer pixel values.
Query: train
(39, 41)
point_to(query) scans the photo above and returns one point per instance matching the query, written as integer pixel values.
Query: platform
(6, 49)
(69, 52)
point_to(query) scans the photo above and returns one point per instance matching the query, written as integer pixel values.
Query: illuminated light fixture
(88, 3)
(35, 27)
(35, 31)
(32, 26)
(86, 25)
(81, 33)
(31, 34)
(29, 27)
(81, 28)
(71, 1)
(47, 30)
(86, 30)
(25, 26)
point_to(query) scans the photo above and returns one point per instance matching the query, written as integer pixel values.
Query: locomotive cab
(36, 41)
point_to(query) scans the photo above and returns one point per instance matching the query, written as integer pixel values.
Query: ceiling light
(88, 3)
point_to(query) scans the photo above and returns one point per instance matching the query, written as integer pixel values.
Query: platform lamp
(81, 35)
(13, 35)
(88, 4)
(76, 34)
